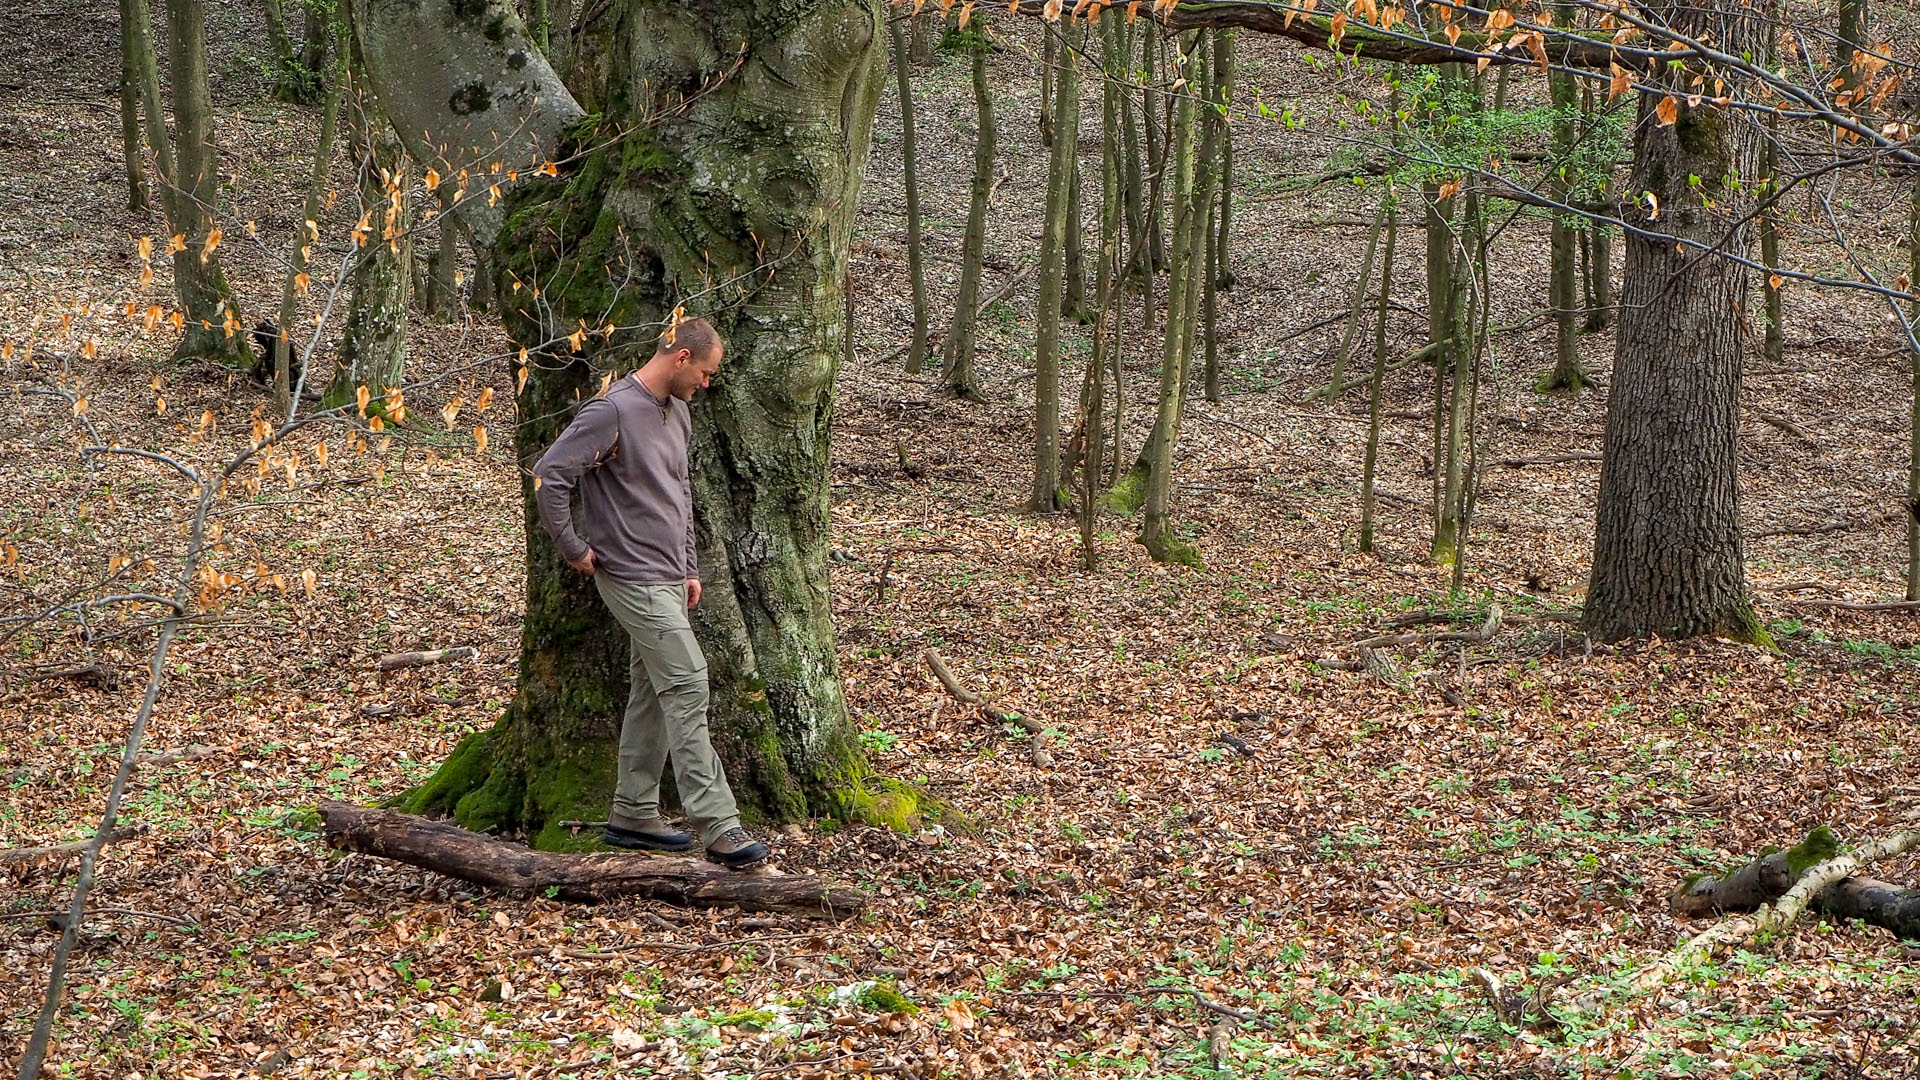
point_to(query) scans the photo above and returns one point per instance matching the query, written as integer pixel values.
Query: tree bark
(213, 324)
(511, 868)
(1154, 471)
(956, 366)
(1913, 425)
(1668, 553)
(1045, 493)
(1375, 384)
(131, 147)
(283, 388)
(373, 349)
(916, 272)
(1223, 73)
(735, 203)
(1563, 282)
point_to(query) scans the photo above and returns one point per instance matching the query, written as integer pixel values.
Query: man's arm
(691, 559)
(584, 445)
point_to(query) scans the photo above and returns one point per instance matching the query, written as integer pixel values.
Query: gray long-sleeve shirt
(626, 452)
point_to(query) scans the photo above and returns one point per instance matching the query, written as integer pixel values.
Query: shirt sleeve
(584, 445)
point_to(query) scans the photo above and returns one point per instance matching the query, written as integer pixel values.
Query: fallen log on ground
(1813, 884)
(1816, 875)
(447, 849)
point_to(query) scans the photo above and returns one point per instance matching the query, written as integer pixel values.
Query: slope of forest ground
(1522, 806)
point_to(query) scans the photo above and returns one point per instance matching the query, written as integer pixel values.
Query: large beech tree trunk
(721, 176)
(1668, 556)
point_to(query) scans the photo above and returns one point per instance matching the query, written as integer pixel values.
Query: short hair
(696, 335)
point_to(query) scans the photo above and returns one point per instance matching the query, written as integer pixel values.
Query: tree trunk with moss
(1668, 557)
(736, 203)
(1189, 234)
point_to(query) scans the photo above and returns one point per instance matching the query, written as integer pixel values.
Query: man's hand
(693, 592)
(586, 564)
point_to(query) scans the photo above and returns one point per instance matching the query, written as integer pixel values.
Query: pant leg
(677, 673)
(643, 731)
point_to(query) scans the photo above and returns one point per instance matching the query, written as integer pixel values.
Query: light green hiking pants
(666, 711)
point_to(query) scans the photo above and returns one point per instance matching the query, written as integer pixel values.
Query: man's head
(690, 354)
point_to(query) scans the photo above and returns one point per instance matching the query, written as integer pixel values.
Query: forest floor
(1336, 869)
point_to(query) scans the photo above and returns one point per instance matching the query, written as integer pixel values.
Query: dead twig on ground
(1041, 756)
(396, 661)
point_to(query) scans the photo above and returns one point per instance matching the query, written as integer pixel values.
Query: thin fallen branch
(396, 661)
(446, 848)
(191, 753)
(135, 913)
(1865, 521)
(1199, 999)
(1549, 459)
(13, 856)
(1845, 605)
(1775, 420)
(1473, 637)
(1041, 756)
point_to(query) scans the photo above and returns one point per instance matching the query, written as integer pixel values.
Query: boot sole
(642, 843)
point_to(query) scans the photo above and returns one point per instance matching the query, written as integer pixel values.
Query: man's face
(691, 374)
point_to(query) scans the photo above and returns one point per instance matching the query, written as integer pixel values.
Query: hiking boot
(644, 834)
(737, 850)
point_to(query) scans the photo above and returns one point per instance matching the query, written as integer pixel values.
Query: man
(626, 452)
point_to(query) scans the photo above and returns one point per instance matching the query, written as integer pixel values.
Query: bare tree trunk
(928, 26)
(1049, 60)
(909, 152)
(956, 367)
(373, 348)
(1223, 73)
(1156, 459)
(1356, 310)
(283, 388)
(1596, 240)
(1669, 558)
(1850, 41)
(1107, 287)
(1045, 494)
(442, 291)
(130, 144)
(1139, 267)
(540, 26)
(1151, 41)
(1368, 469)
(1563, 284)
(1073, 286)
(213, 324)
(1913, 442)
